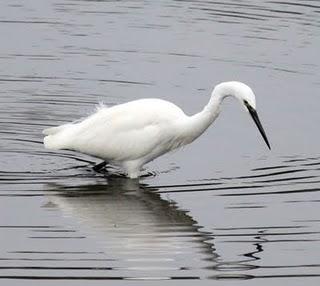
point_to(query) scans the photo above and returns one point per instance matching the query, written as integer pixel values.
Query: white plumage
(134, 133)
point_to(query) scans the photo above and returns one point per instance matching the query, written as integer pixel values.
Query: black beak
(256, 120)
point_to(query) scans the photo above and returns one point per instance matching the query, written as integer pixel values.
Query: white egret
(132, 134)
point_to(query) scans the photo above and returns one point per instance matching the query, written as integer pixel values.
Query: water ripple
(60, 220)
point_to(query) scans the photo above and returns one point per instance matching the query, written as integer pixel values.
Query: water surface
(223, 208)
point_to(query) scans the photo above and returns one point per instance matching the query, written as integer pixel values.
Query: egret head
(247, 98)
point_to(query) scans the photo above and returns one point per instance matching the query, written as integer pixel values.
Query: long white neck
(199, 122)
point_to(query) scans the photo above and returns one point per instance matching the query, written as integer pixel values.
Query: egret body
(132, 134)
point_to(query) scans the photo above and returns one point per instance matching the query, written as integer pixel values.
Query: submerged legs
(131, 168)
(100, 166)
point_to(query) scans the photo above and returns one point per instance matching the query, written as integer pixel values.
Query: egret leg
(100, 166)
(117, 175)
(148, 174)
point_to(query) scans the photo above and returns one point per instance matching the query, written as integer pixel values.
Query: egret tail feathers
(57, 137)
(55, 130)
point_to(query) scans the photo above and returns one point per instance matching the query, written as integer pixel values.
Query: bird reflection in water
(138, 230)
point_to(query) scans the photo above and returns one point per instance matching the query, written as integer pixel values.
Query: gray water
(224, 208)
